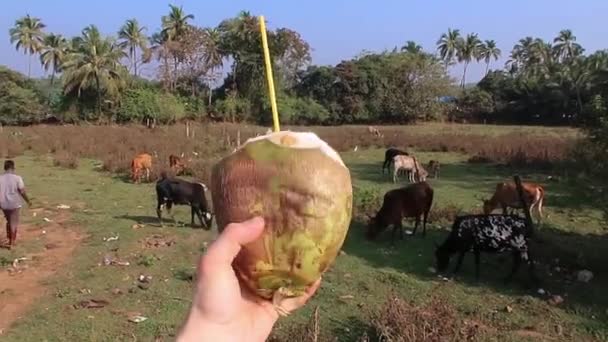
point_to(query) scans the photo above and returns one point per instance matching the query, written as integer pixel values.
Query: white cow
(416, 173)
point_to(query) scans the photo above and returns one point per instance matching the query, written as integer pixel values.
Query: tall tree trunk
(487, 67)
(464, 74)
(135, 61)
(174, 72)
(29, 64)
(98, 97)
(579, 101)
(51, 87)
(210, 94)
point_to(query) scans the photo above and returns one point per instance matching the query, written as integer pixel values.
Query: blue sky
(337, 29)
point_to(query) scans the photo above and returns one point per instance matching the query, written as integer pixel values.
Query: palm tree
(488, 51)
(95, 64)
(565, 45)
(521, 51)
(133, 37)
(174, 24)
(173, 27)
(53, 53)
(214, 55)
(27, 35)
(447, 45)
(468, 50)
(411, 47)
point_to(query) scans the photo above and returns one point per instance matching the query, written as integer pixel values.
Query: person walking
(12, 190)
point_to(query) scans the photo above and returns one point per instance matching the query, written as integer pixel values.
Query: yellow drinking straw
(273, 100)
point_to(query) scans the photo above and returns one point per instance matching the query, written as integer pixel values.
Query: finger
(223, 250)
(290, 304)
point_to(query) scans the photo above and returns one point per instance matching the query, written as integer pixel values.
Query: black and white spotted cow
(486, 233)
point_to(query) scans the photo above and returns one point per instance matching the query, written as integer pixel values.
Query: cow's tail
(541, 198)
(133, 170)
(417, 172)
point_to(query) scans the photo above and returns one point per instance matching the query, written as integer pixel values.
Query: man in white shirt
(12, 191)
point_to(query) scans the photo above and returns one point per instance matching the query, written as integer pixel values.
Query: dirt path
(22, 283)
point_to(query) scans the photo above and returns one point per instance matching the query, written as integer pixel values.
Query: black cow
(487, 233)
(177, 191)
(389, 155)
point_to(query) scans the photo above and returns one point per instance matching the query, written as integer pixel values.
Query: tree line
(218, 73)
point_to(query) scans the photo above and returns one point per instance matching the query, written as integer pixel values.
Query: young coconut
(301, 187)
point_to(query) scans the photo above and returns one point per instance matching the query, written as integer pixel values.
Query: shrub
(301, 111)
(141, 104)
(233, 108)
(19, 102)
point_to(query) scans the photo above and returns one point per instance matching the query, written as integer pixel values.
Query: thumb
(223, 250)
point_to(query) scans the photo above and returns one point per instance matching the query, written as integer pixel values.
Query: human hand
(222, 309)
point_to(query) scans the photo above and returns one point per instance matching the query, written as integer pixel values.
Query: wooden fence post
(522, 199)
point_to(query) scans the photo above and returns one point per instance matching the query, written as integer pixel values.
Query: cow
(416, 173)
(433, 167)
(506, 195)
(373, 130)
(411, 201)
(176, 164)
(486, 233)
(389, 155)
(141, 162)
(170, 191)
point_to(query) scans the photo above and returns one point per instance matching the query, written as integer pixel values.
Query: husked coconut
(301, 187)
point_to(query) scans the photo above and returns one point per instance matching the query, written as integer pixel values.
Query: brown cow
(434, 168)
(140, 163)
(506, 195)
(414, 200)
(176, 164)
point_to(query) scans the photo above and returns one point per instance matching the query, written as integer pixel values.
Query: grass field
(573, 237)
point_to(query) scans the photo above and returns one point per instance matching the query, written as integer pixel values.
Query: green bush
(302, 111)
(233, 108)
(476, 102)
(19, 101)
(141, 104)
(194, 107)
(19, 105)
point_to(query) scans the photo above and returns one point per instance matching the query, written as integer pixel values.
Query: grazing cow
(373, 130)
(389, 155)
(177, 191)
(141, 162)
(506, 195)
(416, 173)
(176, 164)
(411, 201)
(486, 233)
(434, 168)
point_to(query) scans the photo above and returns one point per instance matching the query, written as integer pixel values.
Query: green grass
(369, 271)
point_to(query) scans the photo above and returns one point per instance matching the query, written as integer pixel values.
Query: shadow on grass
(570, 252)
(482, 178)
(147, 220)
(126, 178)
